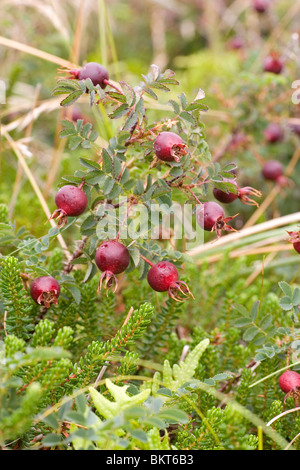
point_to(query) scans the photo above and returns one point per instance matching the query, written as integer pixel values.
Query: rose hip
(295, 240)
(71, 201)
(274, 133)
(273, 171)
(289, 383)
(273, 64)
(169, 147)
(45, 290)
(94, 71)
(211, 217)
(163, 277)
(111, 258)
(241, 193)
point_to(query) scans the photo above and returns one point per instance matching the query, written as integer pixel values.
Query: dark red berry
(296, 245)
(295, 128)
(273, 171)
(289, 383)
(226, 197)
(169, 147)
(94, 71)
(211, 217)
(273, 64)
(236, 43)
(111, 258)
(242, 194)
(295, 240)
(71, 201)
(45, 290)
(261, 6)
(163, 277)
(274, 133)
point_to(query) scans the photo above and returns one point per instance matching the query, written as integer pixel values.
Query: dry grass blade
(36, 188)
(35, 52)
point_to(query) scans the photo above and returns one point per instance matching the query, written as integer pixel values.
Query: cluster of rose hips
(112, 257)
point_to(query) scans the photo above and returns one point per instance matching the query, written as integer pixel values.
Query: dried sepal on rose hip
(71, 201)
(242, 194)
(294, 238)
(112, 257)
(163, 277)
(289, 383)
(210, 216)
(169, 147)
(45, 290)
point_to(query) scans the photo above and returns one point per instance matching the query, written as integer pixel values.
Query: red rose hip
(169, 147)
(273, 133)
(71, 201)
(111, 258)
(163, 277)
(273, 171)
(241, 193)
(211, 217)
(289, 383)
(94, 71)
(45, 290)
(273, 64)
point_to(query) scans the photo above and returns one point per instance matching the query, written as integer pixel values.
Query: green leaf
(52, 440)
(296, 296)
(285, 303)
(173, 416)
(286, 289)
(250, 333)
(71, 98)
(188, 117)
(254, 310)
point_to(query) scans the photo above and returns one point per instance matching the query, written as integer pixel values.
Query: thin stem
(147, 260)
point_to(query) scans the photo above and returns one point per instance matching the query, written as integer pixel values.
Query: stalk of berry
(45, 290)
(163, 277)
(71, 201)
(210, 216)
(241, 193)
(112, 258)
